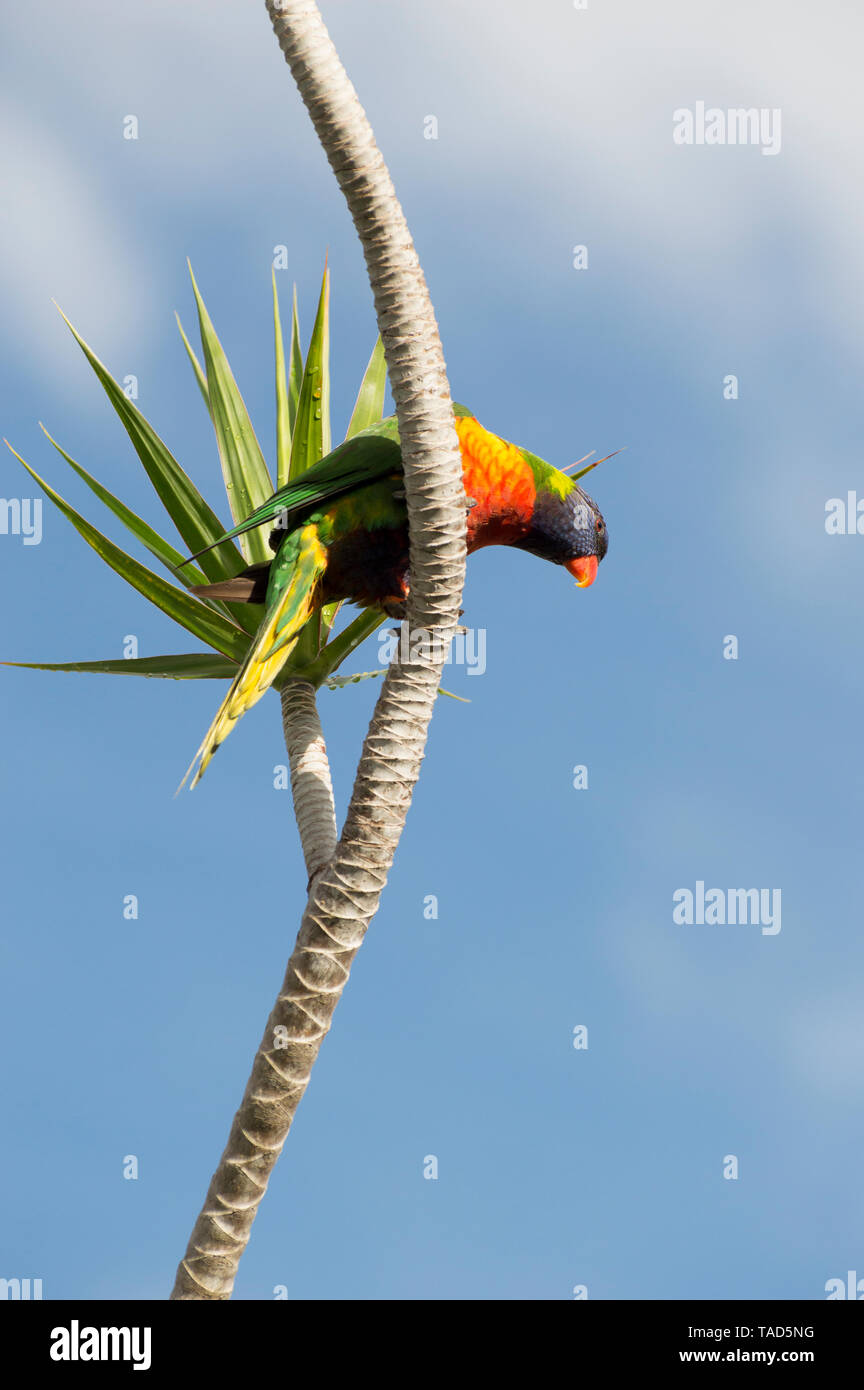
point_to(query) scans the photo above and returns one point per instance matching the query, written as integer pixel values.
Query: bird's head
(567, 528)
(588, 538)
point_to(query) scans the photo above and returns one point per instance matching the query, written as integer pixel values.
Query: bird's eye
(598, 525)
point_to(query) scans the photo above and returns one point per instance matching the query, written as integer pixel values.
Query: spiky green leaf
(369, 406)
(311, 441)
(245, 615)
(200, 375)
(192, 666)
(295, 362)
(155, 543)
(189, 612)
(247, 481)
(198, 525)
(284, 422)
(337, 683)
(311, 437)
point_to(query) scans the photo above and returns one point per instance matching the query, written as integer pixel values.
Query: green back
(369, 455)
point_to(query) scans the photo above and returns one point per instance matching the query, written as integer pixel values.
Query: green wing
(368, 455)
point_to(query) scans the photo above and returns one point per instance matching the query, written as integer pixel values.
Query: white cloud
(559, 119)
(566, 114)
(61, 238)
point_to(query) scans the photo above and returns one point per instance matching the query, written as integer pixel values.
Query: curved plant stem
(311, 783)
(345, 894)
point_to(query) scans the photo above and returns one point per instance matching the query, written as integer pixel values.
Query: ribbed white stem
(311, 783)
(345, 894)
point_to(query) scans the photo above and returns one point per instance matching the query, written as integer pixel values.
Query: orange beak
(584, 570)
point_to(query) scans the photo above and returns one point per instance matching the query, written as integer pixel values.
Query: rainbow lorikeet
(342, 533)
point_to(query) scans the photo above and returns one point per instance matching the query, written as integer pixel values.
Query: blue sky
(557, 1167)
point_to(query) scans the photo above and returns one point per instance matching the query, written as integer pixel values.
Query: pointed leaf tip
(247, 480)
